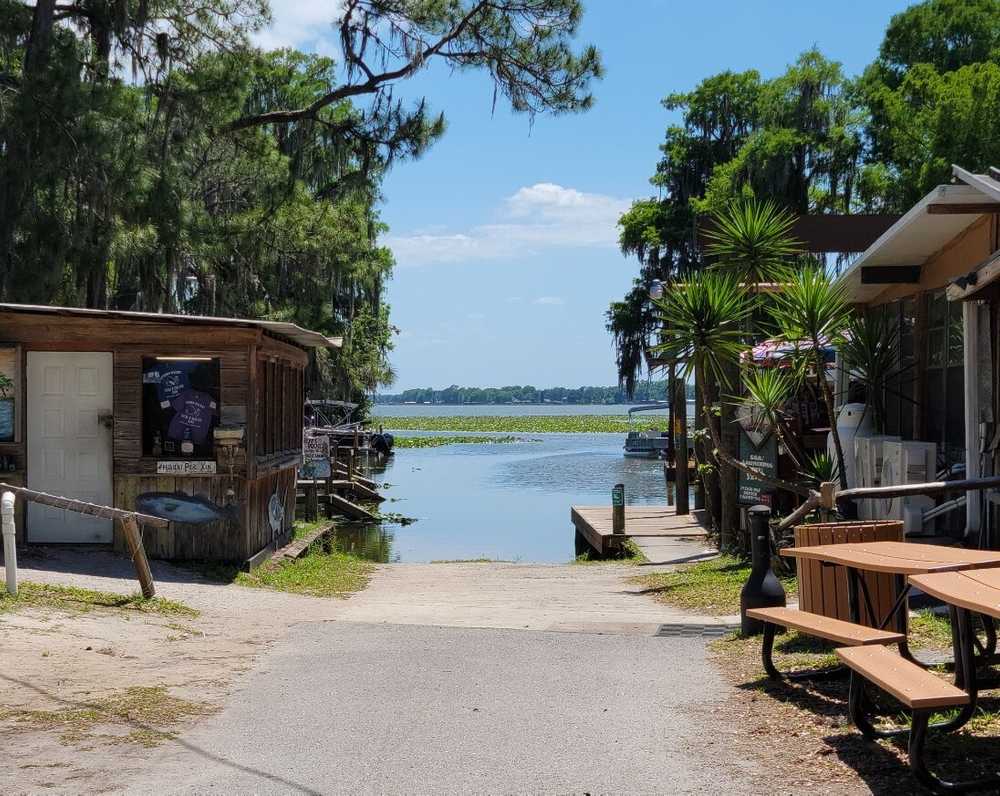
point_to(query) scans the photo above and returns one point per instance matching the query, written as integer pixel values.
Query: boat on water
(651, 444)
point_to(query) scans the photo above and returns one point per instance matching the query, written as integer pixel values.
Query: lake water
(501, 501)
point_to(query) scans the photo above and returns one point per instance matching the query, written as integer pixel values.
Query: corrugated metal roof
(304, 337)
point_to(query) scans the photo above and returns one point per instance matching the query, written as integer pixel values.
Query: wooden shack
(195, 419)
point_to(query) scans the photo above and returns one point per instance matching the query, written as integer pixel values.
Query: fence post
(9, 546)
(134, 539)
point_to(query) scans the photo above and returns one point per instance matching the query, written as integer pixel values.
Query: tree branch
(373, 84)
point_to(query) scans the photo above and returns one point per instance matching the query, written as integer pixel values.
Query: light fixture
(656, 290)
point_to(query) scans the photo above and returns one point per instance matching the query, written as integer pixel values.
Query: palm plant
(704, 321)
(870, 353)
(767, 392)
(812, 308)
(752, 240)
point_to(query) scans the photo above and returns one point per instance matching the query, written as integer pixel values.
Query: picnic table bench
(966, 592)
(898, 559)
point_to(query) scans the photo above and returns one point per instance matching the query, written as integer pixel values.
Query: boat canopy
(648, 407)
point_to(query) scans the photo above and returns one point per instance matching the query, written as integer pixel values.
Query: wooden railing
(130, 521)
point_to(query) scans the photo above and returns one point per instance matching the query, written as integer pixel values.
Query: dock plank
(641, 522)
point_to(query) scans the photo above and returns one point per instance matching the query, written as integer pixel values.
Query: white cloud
(304, 24)
(552, 301)
(535, 218)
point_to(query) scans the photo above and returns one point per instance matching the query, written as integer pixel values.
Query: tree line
(456, 396)
(814, 140)
(152, 158)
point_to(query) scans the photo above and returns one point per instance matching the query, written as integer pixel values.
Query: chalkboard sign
(180, 406)
(762, 456)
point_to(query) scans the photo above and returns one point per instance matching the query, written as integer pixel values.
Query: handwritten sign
(185, 468)
(316, 458)
(762, 457)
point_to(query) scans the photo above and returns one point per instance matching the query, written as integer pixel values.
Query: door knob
(108, 420)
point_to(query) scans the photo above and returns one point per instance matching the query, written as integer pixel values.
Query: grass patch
(631, 553)
(319, 573)
(531, 424)
(706, 587)
(929, 631)
(149, 710)
(302, 528)
(438, 442)
(70, 598)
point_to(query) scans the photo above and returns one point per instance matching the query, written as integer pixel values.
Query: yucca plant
(704, 321)
(812, 308)
(768, 391)
(752, 241)
(870, 353)
(818, 468)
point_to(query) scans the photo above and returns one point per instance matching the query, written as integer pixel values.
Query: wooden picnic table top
(976, 590)
(898, 558)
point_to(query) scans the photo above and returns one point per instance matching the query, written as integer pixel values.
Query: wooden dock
(651, 527)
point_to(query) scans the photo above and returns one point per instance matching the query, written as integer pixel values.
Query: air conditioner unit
(868, 457)
(906, 462)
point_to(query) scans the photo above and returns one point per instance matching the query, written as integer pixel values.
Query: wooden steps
(914, 687)
(835, 630)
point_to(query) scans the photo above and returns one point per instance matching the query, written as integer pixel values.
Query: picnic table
(901, 560)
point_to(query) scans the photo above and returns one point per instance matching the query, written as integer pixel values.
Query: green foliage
(526, 424)
(766, 393)
(944, 34)
(870, 353)
(402, 443)
(225, 180)
(820, 467)
(704, 321)
(811, 306)
(752, 240)
(527, 394)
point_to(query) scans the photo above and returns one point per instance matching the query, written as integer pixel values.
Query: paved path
(523, 596)
(351, 708)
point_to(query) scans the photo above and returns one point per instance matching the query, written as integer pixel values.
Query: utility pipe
(970, 332)
(9, 547)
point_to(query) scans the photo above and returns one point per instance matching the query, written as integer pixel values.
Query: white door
(69, 449)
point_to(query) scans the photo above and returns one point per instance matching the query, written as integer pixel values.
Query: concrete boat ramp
(663, 536)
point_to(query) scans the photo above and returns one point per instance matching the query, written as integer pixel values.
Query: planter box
(823, 589)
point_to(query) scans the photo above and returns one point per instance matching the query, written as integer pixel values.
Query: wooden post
(131, 531)
(682, 479)
(312, 502)
(350, 464)
(618, 509)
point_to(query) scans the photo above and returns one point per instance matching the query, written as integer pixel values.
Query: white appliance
(852, 421)
(868, 454)
(906, 462)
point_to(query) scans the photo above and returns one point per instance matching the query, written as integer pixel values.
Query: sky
(504, 232)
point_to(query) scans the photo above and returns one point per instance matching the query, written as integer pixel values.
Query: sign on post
(316, 458)
(762, 456)
(618, 509)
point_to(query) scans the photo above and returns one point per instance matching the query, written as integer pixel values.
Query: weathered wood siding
(221, 540)
(245, 355)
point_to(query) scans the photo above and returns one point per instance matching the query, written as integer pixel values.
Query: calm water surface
(507, 501)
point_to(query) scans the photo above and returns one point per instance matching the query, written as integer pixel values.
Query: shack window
(180, 406)
(280, 401)
(945, 393)
(10, 380)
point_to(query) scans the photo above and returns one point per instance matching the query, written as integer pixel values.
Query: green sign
(762, 457)
(618, 495)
